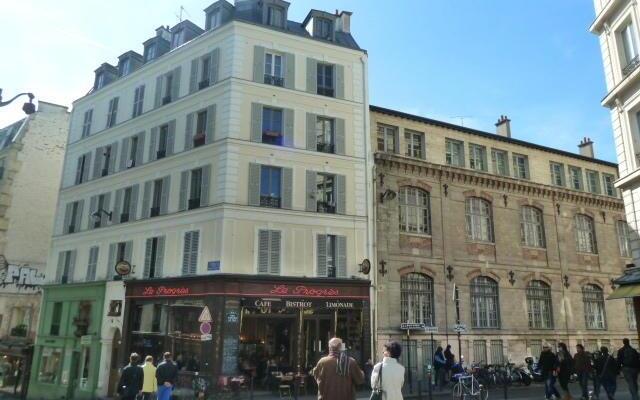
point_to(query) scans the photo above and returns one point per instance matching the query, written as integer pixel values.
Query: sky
(460, 61)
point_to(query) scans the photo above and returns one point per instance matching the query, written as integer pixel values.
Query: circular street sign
(205, 328)
(365, 267)
(123, 268)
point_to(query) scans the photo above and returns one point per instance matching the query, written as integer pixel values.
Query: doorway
(113, 367)
(317, 330)
(73, 374)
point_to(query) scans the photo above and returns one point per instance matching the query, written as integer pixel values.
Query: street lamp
(28, 108)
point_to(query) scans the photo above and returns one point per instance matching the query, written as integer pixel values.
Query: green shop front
(67, 347)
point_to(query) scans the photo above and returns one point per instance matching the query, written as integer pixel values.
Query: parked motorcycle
(533, 370)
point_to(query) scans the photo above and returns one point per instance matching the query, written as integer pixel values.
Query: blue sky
(534, 61)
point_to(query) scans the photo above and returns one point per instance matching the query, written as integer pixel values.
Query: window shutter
(311, 204)
(59, 269)
(128, 249)
(164, 199)
(322, 255)
(152, 144)
(79, 215)
(214, 66)
(87, 166)
(526, 169)
(256, 122)
(67, 218)
(97, 168)
(287, 188)
(184, 190)
(274, 257)
(204, 191)
(79, 169)
(258, 64)
(186, 253)
(93, 205)
(104, 219)
(133, 208)
(562, 177)
(175, 90)
(93, 264)
(171, 135)
(598, 187)
(484, 160)
(193, 77)
(339, 81)
(117, 207)
(462, 155)
(312, 75)
(341, 256)
(211, 124)
(311, 132)
(341, 195)
(114, 155)
(140, 149)
(288, 115)
(72, 265)
(146, 199)
(263, 252)
(289, 71)
(188, 132)
(148, 251)
(112, 257)
(158, 100)
(159, 256)
(254, 184)
(124, 154)
(340, 136)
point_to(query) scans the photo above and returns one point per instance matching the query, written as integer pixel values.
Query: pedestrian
(439, 367)
(582, 367)
(368, 368)
(548, 364)
(337, 374)
(606, 372)
(450, 360)
(149, 384)
(565, 369)
(388, 375)
(629, 363)
(130, 384)
(166, 375)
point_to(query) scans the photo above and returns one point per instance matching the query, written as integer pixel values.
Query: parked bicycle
(468, 387)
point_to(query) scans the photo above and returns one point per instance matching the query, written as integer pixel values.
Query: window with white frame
(499, 162)
(415, 143)
(624, 238)
(575, 178)
(322, 28)
(414, 210)
(273, 69)
(477, 157)
(215, 19)
(479, 224)
(454, 153)
(585, 234)
(631, 314)
(324, 79)
(275, 16)
(387, 138)
(609, 188)
(417, 303)
(520, 166)
(593, 182)
(557, 173)
(485, 307)
(531, 227)
(539, 305)
(593, 300)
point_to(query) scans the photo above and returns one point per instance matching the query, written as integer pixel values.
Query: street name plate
(408, 326)
(460, 328)
(430, 329)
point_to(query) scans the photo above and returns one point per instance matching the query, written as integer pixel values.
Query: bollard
(296, 388)
(251, 388)
(420, 390)
(430, 383)
(506, 380)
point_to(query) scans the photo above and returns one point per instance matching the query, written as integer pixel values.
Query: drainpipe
(444, 261)
(562, 272)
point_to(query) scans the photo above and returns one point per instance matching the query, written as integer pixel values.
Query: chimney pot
(586, 148)
(503, 126)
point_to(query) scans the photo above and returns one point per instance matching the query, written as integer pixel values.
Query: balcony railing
(160, 154)
(194, 203)
(166, 100)
(273, 80)
(269, 201)
(325, 91)
(327, 208)
(203, 84)
(199, 139)
(272, 137)
(325, 147)
(154, 212)
(71, 228)
(124, 217)
(631, 66)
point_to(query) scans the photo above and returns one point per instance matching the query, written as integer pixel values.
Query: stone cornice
(507, 184)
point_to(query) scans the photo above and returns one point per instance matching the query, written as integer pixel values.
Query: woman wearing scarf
(337, 374)
(565, 369)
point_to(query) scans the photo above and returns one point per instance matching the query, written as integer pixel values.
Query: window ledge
(417, 234)
(583, 253)
(525, 247)
(470, 241)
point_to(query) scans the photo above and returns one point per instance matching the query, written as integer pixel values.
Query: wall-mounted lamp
(97, 214)
(512, 277)
(28, 108)
(604, 216)
(383, 271)
(558, 208)
(505, 198)
(613, 283)
(566, 281)
(449, 273)
(387, 195)
(446, 189)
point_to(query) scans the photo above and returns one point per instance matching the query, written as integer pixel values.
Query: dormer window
(151, 52)
(125, 67)
(177, 39)
(322, 28)
(100, 80)
(275, 16)
(215, 18)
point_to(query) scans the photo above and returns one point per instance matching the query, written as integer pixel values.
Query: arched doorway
(113, 365)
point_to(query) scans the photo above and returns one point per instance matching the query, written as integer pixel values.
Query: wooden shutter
(258, 64)
(114, 156)
(256, 122)
(146, 199)
(124, 154)
(153, 155)
(72, 265)
(67, 217)
(204, 191)
(312, 137)
(93, 205)
(263, 251)
(158, 100)
(289, 71)
(164, 198)
(148, 252)
(288, 116)
(321, 256)
(287, 188)
(140, 149)
(312, 75)
(310, 196)
(274, 250)
(339, 81)
(133, 208)
(112, 256)
(104, 219)
(117, 207)
(193, 76)
(79, 215)
(339, 127)
(184, 190)
(87, 167)
(211, 124)
(341, 256)
(171, 135)
(254, 184)
(61, 256)
(190, 253)
(462, 154)
(214, 66)
(80, 169)
(97, 168)
(341, 195)
(188, 132)
(159, 256)
(93, 264)
(175, 89)
(128, 249)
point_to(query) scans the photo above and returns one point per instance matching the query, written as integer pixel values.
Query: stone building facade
(529, 236)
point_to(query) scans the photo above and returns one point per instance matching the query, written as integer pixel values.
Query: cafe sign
(300, 304)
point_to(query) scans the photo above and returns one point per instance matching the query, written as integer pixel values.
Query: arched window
(593, 300)
(479, 219)
(585, 234)
(415, 210)
(539, 305)
(485, 307)
(417, 301)
(531, 227)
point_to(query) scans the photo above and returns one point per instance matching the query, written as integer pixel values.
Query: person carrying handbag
(388, 385)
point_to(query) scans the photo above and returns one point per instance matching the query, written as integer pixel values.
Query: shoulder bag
(376, 391)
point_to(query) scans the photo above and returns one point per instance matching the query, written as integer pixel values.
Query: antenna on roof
(179, 14)
(462, 117)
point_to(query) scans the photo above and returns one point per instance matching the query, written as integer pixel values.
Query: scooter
(533, 370)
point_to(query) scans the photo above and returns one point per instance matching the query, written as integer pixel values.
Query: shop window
(83, 320)
(56, 317)
(50, 363)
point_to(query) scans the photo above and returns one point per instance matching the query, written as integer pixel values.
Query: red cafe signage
(304, 291)
(150, 291)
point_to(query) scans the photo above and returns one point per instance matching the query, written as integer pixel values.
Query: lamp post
(28, 108)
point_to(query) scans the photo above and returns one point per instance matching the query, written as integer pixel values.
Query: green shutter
(158, 99)
(254, 184)
(274, 249)
(184, 190)
(214, 66)
(339, 81)
(146, 199)
(311, 132)
(171, 136)
(312, 75)
(67, 217)
(341, 256)
(133, 209)
(288, 115)
(188, 132)
(339, 136)
(256, 122)
(115, 218)
(204, 190)
(124, 154)
(263, 251)
(153, 153)
(289, 71)
(341, 195)
(148, 252)
(175, 89)
(140, 149)
(321, 256)
(211, 123)
(287, 188)
(310, 195)
(164, 197)
(193, 76)
(258, 64)
(159, 257)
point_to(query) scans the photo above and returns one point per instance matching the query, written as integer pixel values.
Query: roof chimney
(343, 22)
(503, 126)
(164, 32)
(586, 147)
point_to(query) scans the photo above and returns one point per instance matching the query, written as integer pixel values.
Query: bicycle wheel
(484, 393)
(456, 393)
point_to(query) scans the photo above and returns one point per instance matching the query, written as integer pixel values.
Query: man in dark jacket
(337, 374)
(450, 359)
(166, 374)
(131, 380)
(629, 362)
(548, 362)
(582, 367)
(606, 372)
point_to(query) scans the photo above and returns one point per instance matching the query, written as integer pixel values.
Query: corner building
(237, 154)
(529, 235)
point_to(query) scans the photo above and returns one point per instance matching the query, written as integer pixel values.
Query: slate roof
(9, 133)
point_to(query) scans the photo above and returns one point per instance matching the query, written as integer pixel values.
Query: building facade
(241, 148)
(31, 156)
(526, 238)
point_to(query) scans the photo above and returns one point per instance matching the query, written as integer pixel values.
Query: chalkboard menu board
(231, 345)
(230, 356)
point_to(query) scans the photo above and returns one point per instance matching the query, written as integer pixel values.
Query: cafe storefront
(225, 326)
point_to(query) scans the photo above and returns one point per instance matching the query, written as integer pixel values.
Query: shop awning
(625, 291)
